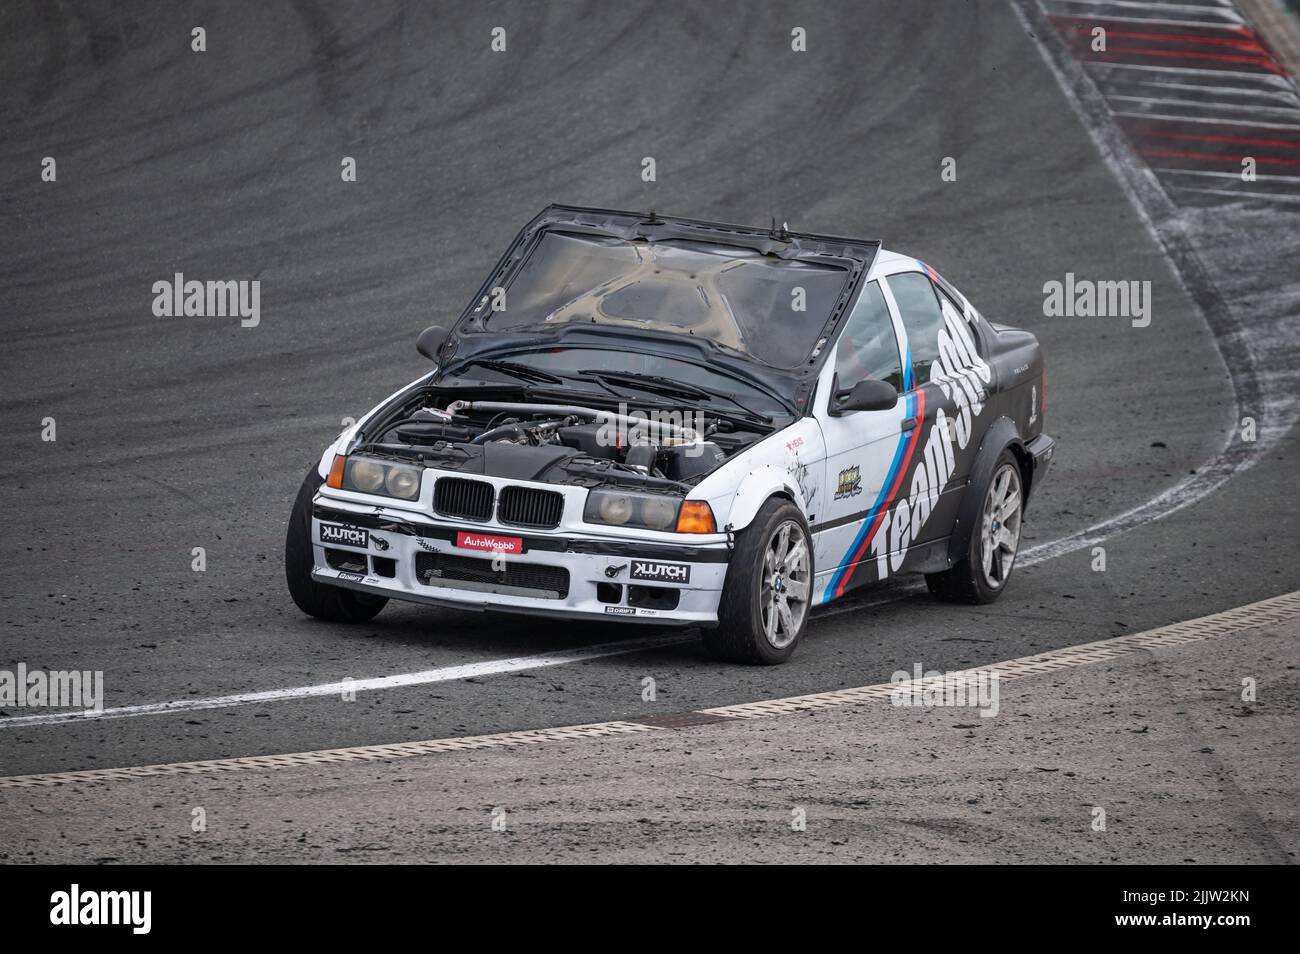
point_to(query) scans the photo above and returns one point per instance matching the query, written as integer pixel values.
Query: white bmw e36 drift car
(661, 420)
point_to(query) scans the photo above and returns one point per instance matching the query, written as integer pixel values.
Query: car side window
(868, 347)
(919, 309)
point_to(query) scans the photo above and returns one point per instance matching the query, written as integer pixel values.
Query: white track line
(399, 681)
(1143, 6)
(1235, 176)
(1209, 120)
(1286, 97)
(1191, 72)
(1242, 194)
(1289, 110)
(1147, 21)
(1270, 612)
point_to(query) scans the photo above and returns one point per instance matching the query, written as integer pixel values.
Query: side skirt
(929, 557)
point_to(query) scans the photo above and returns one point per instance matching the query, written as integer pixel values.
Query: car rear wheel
(317, 599)
(991, 555)
(768, 592)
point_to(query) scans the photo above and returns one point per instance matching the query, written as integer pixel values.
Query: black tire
(741, 635)
(330, 603)
(967, 581)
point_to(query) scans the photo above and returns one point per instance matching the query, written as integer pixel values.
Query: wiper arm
(672, 387)
(650, 382)
(515, 370)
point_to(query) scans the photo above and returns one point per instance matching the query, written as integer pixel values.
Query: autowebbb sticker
(348, 536)
(75, 907)
(661, 572)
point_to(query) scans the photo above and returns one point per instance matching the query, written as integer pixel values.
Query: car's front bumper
(558, 574)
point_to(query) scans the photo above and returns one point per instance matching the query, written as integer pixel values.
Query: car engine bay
(582, 444)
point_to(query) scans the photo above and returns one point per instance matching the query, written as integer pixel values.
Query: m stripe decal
(897, 468)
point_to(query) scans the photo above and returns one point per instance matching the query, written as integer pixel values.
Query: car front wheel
(768, 591)
(317, 599)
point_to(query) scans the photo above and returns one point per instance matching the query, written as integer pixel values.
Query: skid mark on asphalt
(400, 681)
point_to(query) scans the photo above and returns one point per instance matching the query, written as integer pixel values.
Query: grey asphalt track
(178, 433)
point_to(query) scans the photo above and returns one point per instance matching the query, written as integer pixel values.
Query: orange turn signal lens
(696, 517)
(335, 479)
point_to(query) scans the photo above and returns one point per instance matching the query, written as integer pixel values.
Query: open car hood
(721, 293)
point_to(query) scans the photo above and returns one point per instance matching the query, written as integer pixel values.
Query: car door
(922, 510)
(865, 450)
(943, 383)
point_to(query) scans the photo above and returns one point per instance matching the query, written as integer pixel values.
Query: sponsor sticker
(661, 572)
(354, 577)
(849, 483)
(489, 543)
(347, 536)
(620, 610)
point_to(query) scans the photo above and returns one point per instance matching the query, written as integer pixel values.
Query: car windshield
(630, 373)
(769, 308)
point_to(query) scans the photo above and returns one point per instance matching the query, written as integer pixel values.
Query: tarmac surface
(1152, 759)
(175, 433)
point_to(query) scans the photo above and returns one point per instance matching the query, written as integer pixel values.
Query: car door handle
(909, 424)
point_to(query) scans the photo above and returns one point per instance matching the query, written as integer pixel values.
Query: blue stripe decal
(880, 502)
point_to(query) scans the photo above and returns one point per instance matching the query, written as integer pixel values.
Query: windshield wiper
(515, 370)
(651, 382)
(670, 387)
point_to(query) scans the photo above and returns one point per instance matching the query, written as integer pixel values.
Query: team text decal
(961, 374)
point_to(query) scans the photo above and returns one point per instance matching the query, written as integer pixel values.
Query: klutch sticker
(661, 572)
(345, 536)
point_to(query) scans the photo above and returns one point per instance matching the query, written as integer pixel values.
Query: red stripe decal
(1239, 42)
(1216, 157)
(1199, 137)
(893, 492)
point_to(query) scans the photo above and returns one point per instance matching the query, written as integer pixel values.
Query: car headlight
(370, 476)
(621, 508)
(660, 513)
(403, 482)
(366, 476)
(611, 508)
